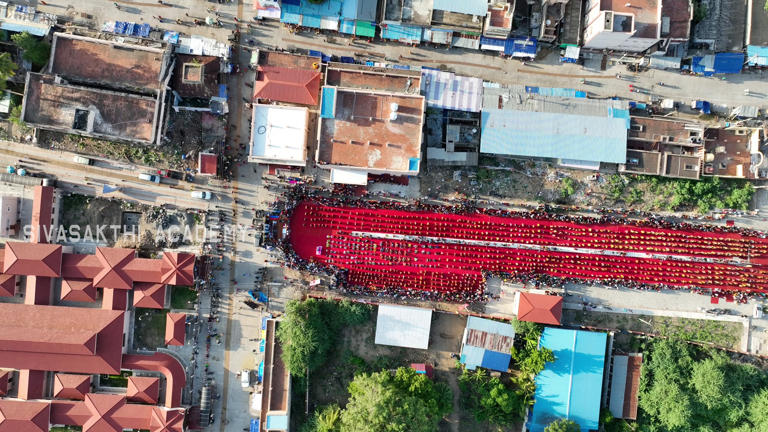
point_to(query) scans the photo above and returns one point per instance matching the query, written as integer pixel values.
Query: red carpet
(438, 266)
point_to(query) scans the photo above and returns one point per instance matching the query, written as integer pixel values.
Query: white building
(279, 135)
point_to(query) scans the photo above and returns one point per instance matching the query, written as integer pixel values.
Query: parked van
(150, 178)
(204, 195)
(82, 160)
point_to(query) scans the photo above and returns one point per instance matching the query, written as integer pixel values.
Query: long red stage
(437, 252)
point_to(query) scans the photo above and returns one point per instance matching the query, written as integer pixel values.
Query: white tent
(403, 326)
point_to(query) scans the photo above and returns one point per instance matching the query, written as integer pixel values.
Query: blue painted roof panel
(496, 361)
(490, 326)
(469, 7)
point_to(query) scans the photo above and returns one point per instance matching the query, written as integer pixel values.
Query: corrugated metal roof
(359, 9)
(447, 90)
(489, 341)
(490, 326)
(496, 361)
(757, 55)
(618, 386)
(663, 62)
(403, 33)
(553, 135)
(469, 7)
(471, 356)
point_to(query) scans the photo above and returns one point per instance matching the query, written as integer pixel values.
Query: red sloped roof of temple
(112, 274)
(71, 386)
(60, 338)
(32, 259)
(7, 285)
(149, 295)
(178, 268)
(102, 407)
(175, 328)
(169, 366)
(78, 290)
(299, 86)
(540, 308)
(166, 420)
(42, 209)
(143, 389)
(4, 382)
(24, 416)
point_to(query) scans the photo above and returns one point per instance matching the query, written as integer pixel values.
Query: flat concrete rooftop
(100, 113)
(372, 78)
(364, 134)
(112, 64)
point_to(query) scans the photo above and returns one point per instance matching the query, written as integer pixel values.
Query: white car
(245, 378)
(150, 178)
(205, 195)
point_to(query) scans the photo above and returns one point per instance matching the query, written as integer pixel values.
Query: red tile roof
(78, 290)
(178, 268)
(143, 389)
(78, 266)
(149, 295)
(114, 299)
(42, 210)
(102, 407)
(18, 416)
(166, 364)
(144, 270)
(166, 420)
(71, 386)
(539, 308)
(60, 338)
(207, 163)
(112, 274)
(7, 285)
(32, 259)
(175, 328)
(299, 86)
(30, 384)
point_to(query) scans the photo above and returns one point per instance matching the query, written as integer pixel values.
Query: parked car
(82, 160)
(150, 178)
(171, 174)
(204, 195)
(245, 378)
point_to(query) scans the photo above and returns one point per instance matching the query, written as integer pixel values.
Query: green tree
(310, 329)
(7, 69)
(568, 188)
(34, 50)
(563, 425)
(758, 410)
(388, 402)
(489, 399)
(324, 419)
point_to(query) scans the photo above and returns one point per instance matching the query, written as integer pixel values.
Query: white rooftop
(403, 326)
(279, 134)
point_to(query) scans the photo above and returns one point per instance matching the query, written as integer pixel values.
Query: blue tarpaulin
(311, 21)
(521, 47)
(556, 91)
(757, 55)
(223, 91)
(292, 2)
(323, 58)
(345, 59)
(402, 33)
(109, 189)
(290, 15)
(327, 103)
(493, 44)
(703, 106)
(721, 63)
(255, 422)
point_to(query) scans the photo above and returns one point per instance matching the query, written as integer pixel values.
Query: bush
(563, 425)
(568, 188)
(35, 51)
(616, 186)
(310, 330)
(489, 399)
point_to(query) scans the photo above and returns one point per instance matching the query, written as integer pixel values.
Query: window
(689, 167)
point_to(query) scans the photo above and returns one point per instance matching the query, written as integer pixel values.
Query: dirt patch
(721, 333)
(187, 134)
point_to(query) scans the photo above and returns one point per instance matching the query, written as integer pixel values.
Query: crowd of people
(347, 197)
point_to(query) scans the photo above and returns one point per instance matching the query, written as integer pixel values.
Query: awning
(347, 26)
(521, 47)
(290, 17)
(20, 27)
(365, 29)
(466, 40)
(311, 21)
(329, 23)
(492, 44)
(443, 37)
(348, 176)
(572, 52)
(402, 33)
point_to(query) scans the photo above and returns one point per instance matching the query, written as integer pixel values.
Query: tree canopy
(7, 69)
(34, 50)
(691, 389)
(563, 425)
(489, 399)
(403, 401)
(310, 329)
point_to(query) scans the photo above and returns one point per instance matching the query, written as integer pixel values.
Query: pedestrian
(43, 3)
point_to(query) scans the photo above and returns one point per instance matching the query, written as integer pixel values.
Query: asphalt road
(89, 180)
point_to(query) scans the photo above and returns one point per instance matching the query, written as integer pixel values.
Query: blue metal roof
(359, 9)
(757, 55)
(492, 41)
(470, 7)
(521, 47)
(328, 102)
(571, 386)
(496, 361)
(289, 14)
(277, 422)
(471, 356)
(311, 21)
(347, 26)
(405, 33)
(18, 27)
(325, 8)
(490, 326)
(551, 135)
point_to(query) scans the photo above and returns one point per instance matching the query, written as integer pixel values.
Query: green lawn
(115, 380)
(183, 297)
(149, 328)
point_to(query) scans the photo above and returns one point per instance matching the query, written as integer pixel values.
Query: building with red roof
(290, 85)
(48, 345)
(207, 163)
(538, 308)
(175, 328)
